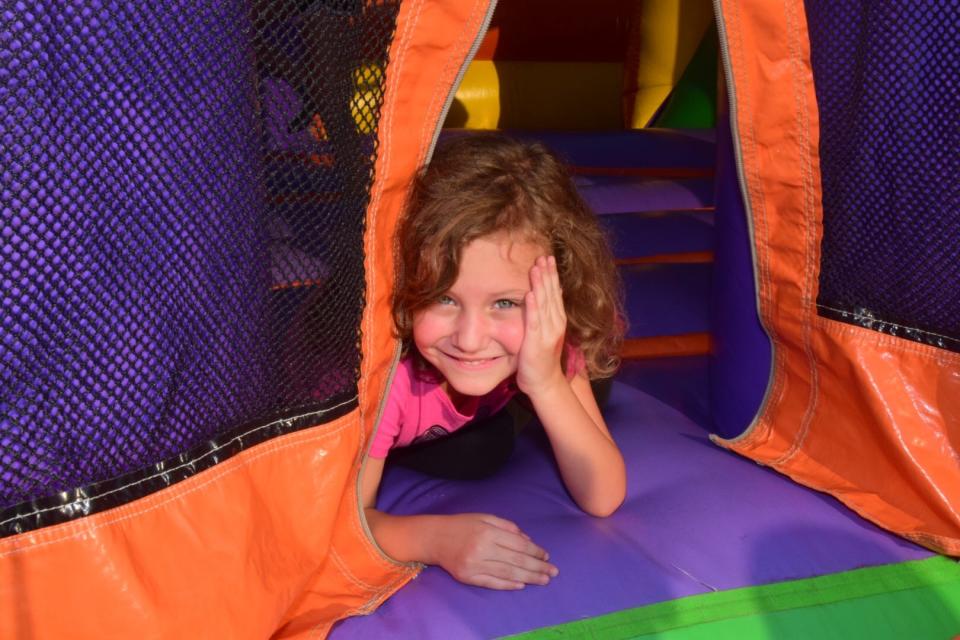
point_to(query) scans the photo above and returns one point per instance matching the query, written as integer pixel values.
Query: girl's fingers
(501, 523)
(493, 582)
(524, 545)
(551, 300)
(529, 566)
(509, 572)
(531, 313)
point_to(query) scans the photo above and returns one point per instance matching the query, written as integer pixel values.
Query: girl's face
(473, 333)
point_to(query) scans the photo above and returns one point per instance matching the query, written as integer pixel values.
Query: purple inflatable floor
(696, 519)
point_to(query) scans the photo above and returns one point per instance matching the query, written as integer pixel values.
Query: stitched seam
(367, 607)
(895, 343)
(386, 127)
(230, 466)
(806, 179)
(181, 466)
(387, 119)
(451, 66)
(349, 575)
(859, 316)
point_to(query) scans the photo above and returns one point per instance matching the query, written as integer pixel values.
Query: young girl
(505, 286)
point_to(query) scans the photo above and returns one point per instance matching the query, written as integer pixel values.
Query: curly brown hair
(480, 185)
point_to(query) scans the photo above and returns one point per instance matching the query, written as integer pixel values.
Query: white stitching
(810, 248)
(86, 526)
(939, 356)
(859, 316)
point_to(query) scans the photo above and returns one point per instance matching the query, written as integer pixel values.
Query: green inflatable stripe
(693, 102)
(916, 600)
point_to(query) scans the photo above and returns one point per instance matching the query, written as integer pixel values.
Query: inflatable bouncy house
(196, 261)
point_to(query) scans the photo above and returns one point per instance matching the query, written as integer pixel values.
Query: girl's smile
(472, 334)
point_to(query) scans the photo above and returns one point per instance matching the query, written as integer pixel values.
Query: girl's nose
(470, 334)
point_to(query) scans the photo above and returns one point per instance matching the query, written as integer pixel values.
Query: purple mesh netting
(178, 183)
(886, 81)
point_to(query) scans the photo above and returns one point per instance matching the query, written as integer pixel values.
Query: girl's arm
(474, 548)
(590, 462)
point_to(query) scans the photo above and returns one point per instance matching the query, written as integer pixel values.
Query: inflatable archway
(197, 214)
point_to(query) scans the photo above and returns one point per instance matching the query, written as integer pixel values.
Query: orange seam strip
(690, 257)
(688, 344)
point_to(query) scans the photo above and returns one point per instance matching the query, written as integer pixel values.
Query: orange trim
(871, 419)
(692, 257)
(646, 172)
(688, 344)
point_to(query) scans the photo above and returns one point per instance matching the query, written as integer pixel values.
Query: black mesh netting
(183, 188)
(886, 76)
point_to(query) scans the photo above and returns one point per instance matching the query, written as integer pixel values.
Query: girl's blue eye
(444, 300)
(505, 304)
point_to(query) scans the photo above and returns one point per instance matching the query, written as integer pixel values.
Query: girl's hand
(488, 551)
(545, 327)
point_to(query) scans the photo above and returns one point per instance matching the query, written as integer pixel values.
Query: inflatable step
(667, 299)
(610, 194)
(661, 236)
(677, 152)
(668, 309)
(682, 153)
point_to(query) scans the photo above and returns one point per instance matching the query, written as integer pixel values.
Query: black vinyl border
(100, 496)
(862, 318)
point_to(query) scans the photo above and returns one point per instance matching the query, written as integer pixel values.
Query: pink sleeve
(390, 422)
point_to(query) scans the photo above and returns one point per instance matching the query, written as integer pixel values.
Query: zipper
(741, 178)
(394, 365)
(484, 26)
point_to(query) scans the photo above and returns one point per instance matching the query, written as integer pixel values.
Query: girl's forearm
(404, 538)
(590, 462)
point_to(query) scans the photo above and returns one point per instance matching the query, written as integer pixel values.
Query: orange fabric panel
(224, 554)
(686, 344)
(872, 419)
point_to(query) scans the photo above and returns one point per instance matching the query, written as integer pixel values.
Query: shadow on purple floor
(681, 383)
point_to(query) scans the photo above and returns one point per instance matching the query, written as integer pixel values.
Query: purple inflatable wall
(740, 364)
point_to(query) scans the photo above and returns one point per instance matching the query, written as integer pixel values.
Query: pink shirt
(418, 409)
